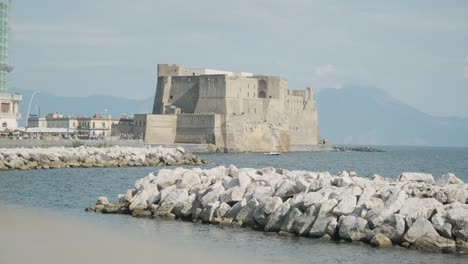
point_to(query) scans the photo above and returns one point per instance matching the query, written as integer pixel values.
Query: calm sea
(69, 191)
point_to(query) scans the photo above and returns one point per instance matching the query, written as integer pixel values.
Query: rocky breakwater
(87, 157)
(412, 211)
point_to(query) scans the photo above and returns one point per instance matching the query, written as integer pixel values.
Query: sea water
(69, 191)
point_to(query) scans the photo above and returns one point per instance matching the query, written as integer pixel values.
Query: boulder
(442, 224)
(434, 243)
(453, 193)
(352, 228)
(102, 200)
(172, 200)
(276, 219)
(234, 194)
(222, 210)
(208, 213)
(327, 206)
(380, 240)
(212, 195)
(246, 213)
(288, 224)
(415, 208)
(287, 189)
(417, 177)
(188, 180)
(420, 228)
(392, 205)
(320, 226)
(346, 205)
(235, 209)
(311, 198)
(393, 227)
(262, 213)
(303, 223)
(458, 217)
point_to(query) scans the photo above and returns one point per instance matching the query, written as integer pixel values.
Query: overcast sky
(416, 50)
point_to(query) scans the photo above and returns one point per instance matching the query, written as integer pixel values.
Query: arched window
(262, 94)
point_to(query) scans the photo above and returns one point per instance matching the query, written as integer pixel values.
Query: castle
(233, 111)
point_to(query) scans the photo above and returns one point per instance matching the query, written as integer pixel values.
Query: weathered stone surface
(458, 217)
(288, 224)
(234, 194)
(212, 195)
(327, 206)
(393, 227)
(311, 198)
(453, 193)
(415, 208)
(346, 206)
(188, 180)
(380, 240)
(353, 228)
(434, 243)
(320, 227)
(172, 200)
(304, 222)
(102, 200)
(277, 217)
(246, 213)
(262, 213)
(417, 177)
(392, 205)
(442, 225)
(419, 229)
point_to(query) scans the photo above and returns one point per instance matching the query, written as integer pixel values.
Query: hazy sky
(416, 50)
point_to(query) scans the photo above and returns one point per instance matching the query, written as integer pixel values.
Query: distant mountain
(370, 116)
(351, 115)
(45, 103)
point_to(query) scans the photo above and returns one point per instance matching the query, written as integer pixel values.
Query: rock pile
(412, 211)
(86, 157)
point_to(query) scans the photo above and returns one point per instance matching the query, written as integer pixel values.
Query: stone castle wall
(230, 110)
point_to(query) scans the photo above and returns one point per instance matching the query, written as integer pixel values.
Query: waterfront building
(96, 127)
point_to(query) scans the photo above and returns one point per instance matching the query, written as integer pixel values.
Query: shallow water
(69, 191)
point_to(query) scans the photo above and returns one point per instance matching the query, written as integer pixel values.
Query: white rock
(393, 227)
(276, 219)
(346, 206)
(327, 206)
(172, 200)
(417, 177)
(188, 180)
(415, 208)
(442, 225)
(353, 228)
(320, 227)
(311, 198)
(262, 213)
(419, 229)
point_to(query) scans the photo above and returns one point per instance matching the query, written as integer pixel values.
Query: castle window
(171, 97)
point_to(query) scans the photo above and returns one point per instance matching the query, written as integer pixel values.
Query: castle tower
(9, 103)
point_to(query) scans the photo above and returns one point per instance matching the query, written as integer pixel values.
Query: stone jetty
(87, 157)
(413, 211)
